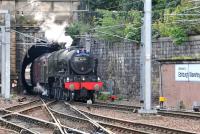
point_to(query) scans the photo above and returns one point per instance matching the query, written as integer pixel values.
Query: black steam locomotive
(63, 73)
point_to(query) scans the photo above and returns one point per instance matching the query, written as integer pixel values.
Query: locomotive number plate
(80, 59)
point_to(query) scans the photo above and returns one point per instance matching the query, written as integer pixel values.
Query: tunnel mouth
(32, 53)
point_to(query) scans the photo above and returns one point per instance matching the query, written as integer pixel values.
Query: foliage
(77, 28)
(25, 20)
(104, 4)
(103, 96)
(120, 98)
(115, 20)
(182, 58)
(118, 25)
(173, 23)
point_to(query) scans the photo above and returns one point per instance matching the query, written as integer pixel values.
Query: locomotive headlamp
(98, 79)
(67, 79)
(83, 78)
(71, 86)
(96, 87)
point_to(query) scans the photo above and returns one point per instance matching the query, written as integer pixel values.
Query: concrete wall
(179, 94)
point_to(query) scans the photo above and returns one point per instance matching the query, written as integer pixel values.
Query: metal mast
(147, 57)
(5, 53)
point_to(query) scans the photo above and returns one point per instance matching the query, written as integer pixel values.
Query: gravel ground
(5, 131)
(176, 123)
(132, 102)
(32, 126)
(41, 114)
(14, 100)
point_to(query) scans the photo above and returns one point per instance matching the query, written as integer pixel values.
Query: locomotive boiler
(66, 74)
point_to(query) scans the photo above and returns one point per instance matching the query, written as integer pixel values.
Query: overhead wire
(185, 14)
(108, 26)
(181, 14)
(118, 36)
(113, 27)
(26, 35)
(107, 8)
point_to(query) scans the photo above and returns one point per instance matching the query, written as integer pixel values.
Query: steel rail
(91, 120)
(111, 106)
(14, 127)
(123, 129)
(137, 125)
(28, 119)
(182, 114)
(55, 120)
(173, 113)
(70, 116)
(17, 107)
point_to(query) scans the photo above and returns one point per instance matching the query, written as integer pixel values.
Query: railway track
(39, 117)
(34, 125)
(14, 128)
(70, 116)
(60, 118)
(172, 113)
(110, 106)
(33, 118)
(25, 106)
(180, 114)
(132, 127)
(177, 114)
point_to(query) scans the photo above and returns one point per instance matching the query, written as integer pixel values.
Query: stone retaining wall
(119, 63)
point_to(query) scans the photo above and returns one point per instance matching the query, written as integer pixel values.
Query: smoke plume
(53, 32)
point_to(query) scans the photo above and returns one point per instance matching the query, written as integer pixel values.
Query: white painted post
(147, 57)
(148, 43)
(7, 55)
(5, 61)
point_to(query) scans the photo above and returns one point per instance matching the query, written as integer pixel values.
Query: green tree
(175, 22)
(104, 4)
(76, 29)
(118, 25)
(121, 19)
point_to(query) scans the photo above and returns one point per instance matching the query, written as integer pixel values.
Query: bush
(103, 97)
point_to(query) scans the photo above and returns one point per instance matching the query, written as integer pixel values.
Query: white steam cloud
(40, 89)
(53, 32)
